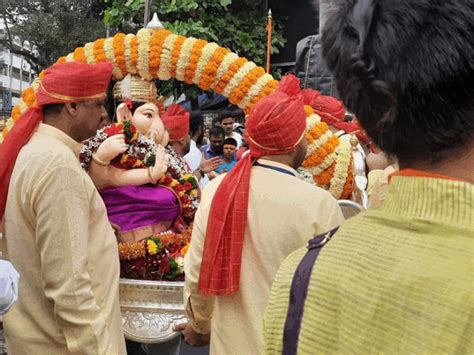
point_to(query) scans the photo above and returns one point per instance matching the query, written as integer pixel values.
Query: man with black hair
(216, 140)
(398, 279)
(227, 123)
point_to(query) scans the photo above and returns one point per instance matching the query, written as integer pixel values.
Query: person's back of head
(405, 69)
(196, 122)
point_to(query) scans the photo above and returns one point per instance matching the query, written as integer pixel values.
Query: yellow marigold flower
(174, 183)
(187, 176)
(309, 110)
(152, 247)
(184, 249)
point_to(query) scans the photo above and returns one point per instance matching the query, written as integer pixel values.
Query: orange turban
(62, 83)
(176, 121)
(275, 126)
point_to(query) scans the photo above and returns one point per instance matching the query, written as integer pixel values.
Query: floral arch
(160, 54)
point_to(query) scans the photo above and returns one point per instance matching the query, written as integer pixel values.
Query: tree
(237, 25)
(53, 27)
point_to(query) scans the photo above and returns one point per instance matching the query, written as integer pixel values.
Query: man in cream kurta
(57, 233)
(283, 213)
(61, 243)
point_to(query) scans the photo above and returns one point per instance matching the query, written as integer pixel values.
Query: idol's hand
(161, 163)
(111, 147)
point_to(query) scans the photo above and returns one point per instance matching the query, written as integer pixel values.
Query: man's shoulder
(42, 154)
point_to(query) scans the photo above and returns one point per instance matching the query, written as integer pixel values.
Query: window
(16, 73)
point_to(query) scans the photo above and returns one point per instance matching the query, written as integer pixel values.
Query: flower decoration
(329, 158)
(158, 257)
(141, 153)
(161, 54)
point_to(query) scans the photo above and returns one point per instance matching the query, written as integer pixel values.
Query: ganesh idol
(149, 191)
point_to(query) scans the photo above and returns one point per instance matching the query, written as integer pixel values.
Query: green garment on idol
(399, 280)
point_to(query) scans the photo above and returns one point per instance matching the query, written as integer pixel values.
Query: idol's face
(147, 120)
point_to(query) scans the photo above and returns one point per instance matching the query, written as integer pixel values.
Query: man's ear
(71, 108)
(123, 113)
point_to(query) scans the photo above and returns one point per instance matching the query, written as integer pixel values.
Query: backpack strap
(299, 290)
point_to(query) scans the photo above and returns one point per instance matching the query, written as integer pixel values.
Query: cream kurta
(283, 214)
(60, 241)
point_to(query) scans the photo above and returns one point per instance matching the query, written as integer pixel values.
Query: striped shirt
(398, 280)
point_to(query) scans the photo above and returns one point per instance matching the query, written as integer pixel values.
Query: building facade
(15, 73)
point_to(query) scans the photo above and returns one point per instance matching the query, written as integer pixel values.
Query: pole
(146, 19)
(269, 38)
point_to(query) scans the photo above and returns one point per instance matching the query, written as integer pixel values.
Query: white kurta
(60, 241)
(283, 214)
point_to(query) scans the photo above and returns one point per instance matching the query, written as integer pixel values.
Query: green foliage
(241, 26)
(54, 27)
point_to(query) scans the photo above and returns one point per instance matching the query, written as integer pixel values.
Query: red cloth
(62, 83)
(240, 153)
(176, 121)
(332, 111)
(275, 126)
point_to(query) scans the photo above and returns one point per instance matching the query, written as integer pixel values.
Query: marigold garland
(79, 55)
(238, 78)
(207, 52)
(229, 74)
(243, 88)
(89, 53)
(99, 52)
(324, 179)
(175, 54)
(348, 187)
(16, 113)
(155, 244)
(119, 54)
(164, 72)
(343, 159)
(143, 48)
(134, 55)
(159, 53)
(29, 97)
(190, 69)
(156, 47)
(210, 71)
(184, 57)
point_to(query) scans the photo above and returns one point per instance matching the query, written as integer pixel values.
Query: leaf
(225, 3)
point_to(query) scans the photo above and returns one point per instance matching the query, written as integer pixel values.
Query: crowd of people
(272, 266)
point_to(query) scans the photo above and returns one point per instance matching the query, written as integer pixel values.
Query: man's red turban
(62, 83)
(275, 126)
(332, 111)
(176, 121)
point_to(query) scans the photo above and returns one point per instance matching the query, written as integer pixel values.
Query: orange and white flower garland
(329, 158)
(160, 54)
